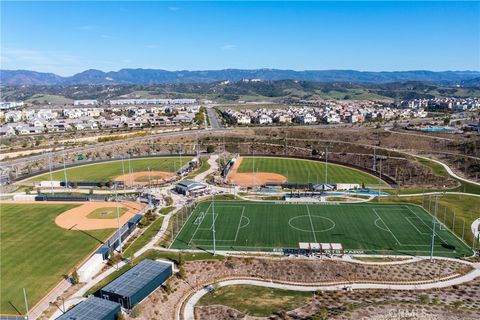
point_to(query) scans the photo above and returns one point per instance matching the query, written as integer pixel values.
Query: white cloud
(152, 46)
(228, 47)
(126, 60)
(174, 9)
(59, 62)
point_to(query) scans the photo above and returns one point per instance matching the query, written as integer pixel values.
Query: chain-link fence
(177, 221)
(455, 220)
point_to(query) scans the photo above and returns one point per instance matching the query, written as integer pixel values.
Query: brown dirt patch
(141, 178)
(78, 217)
(252, 179)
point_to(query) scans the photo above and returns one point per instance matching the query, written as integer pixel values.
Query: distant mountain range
(154, 76)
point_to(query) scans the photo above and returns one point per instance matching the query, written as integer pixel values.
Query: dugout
(137, 283)
(319, 249)
(93, 309)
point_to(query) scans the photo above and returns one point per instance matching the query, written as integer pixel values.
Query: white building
(11, 105)
(307, 118)
(242, 119)
(85, 102)
(263, 119)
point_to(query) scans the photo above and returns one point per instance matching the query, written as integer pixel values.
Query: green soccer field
(362, 228)
(36, 253)
(306, 171)
(107, 171)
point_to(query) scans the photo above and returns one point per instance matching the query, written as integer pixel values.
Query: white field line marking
(420, 232)
(195, 232)
(238, 228)
(210, 240)
(248, 219)
(239, 223)
(386, 226)
(376, 224)
(311, 224)
(216, 216)
(429, 227)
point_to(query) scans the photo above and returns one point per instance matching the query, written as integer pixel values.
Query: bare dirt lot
(78, 217)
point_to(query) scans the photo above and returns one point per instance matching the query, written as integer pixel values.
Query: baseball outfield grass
(107, 171)
(36, 253)
(306, 171)
(361, 228)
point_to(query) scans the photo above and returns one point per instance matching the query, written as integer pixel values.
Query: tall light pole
(130, 170)
(26, 302)
(253, 165)
(118, 220)
(434, 221)
(213, 222)
(326, 165)
(50, 169)
(65, 171)
(123, 174)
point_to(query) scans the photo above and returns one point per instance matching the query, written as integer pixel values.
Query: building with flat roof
(137, 283)
(93, 309)
(187, 187)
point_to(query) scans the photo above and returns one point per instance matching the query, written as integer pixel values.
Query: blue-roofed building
(137, 283)
(93, 309)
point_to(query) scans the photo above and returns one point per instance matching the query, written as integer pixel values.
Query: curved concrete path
(189, 313)
(447, 168)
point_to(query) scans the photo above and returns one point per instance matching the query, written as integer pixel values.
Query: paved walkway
(212, 161)
(448, 169)
(188, 311)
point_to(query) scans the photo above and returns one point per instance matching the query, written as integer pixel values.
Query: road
(213, 118)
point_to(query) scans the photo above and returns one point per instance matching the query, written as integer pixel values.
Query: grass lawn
(107, 171)
(464, 206)
(144, 238)
(256, 301)
(204, 167)
(49, 98)
(36, 253)
(306, 171)
(361, 228)
(106, 213)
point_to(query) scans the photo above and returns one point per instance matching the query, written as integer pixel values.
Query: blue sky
(69, 37)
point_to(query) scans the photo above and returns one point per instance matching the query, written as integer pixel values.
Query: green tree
(75, 278)
(210, 149)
